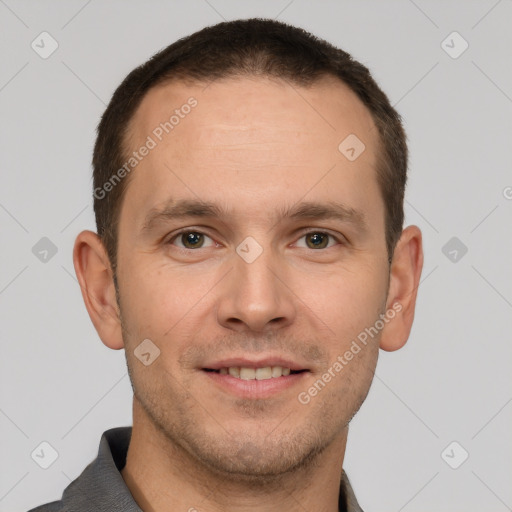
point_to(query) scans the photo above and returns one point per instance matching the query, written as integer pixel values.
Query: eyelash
(188, 230)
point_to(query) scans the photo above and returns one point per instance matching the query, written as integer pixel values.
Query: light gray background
(451, 382)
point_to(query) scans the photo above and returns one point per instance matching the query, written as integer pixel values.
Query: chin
(257, 461)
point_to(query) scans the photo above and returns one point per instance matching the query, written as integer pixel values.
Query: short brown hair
(251, 47)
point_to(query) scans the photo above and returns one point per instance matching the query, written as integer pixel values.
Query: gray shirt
(101, 488)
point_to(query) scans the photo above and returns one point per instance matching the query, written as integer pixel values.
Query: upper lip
(261, 362)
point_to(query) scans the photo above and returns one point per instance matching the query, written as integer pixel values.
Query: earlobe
(94, 275)
(405, 275)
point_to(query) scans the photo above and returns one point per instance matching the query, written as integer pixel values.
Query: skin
(253, 146)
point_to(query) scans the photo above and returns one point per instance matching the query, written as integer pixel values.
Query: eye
(318, 239)
(189, 239)
(192, 239)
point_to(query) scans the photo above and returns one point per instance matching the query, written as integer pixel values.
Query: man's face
(255, 148)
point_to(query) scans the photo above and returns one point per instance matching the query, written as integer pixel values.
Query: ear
(94, 273)
(405, 273)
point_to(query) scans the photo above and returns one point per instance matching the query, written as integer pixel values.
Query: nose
(256, 296)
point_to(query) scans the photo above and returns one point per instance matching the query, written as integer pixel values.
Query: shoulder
(100, 487)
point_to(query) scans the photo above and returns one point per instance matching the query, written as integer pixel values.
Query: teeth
(234, 371)
(277, 371)
(264, 373)
(268, 372)
(247, 373)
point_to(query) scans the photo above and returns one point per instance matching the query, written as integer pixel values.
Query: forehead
(265, 138)
(250, 107)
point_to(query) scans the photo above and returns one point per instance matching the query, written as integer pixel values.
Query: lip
(255, 363)
(254, 389)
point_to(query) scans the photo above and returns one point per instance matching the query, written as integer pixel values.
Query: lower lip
(253, 388)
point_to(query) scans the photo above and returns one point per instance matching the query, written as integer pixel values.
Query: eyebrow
(306, 210)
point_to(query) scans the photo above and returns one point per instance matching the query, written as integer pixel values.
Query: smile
(264, 373)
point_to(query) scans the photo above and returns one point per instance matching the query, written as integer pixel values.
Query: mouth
(255, 379)
(261, 373)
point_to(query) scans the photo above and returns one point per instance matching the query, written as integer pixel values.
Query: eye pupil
(318, 239)
(191, 238)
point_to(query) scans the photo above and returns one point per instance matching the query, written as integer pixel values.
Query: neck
(162, 477)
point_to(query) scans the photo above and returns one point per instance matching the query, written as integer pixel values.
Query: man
(250, 259)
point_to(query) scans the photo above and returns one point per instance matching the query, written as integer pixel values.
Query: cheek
(151, 285)
(348, 300)
(163, 303)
